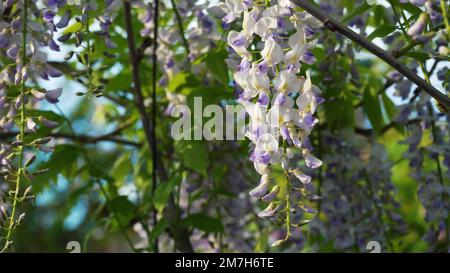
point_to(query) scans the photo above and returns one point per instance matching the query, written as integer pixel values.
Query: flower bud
(261, 189)
(269, 211)
(44, 140)
(47, 123)
(418, 26)
(30, 161)
(271, 195)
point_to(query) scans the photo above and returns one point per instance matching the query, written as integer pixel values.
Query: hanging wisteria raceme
(358, 202)
(191, 22)
(66, 29)
(273, 43)
(433, 193)
(24, 38)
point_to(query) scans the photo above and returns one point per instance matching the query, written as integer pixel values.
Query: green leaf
(389, 106)
(63, 157)
(203, 222)
(121, 169)
(372, 107)
(358, 11)
(194, 155)
(410, 8)
(123, 209)
(46, 114)
(391, 111)
(72, 28)
(163, 191)
(261, 244)
(215, 62)
(182, 80)
(420, 56)
(340, 112)
(158, 230)
(381, 31)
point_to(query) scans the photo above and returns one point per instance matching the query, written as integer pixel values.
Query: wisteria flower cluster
(274, 42)
(358, 203)
(23, 39)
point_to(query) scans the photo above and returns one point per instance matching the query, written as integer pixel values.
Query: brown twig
(335, 25)
(180, 234)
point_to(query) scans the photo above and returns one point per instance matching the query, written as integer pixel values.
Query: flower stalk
(21, 167)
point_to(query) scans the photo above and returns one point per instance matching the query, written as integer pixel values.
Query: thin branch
(146, 43)
(180, 234)
(154, 112)
(397, 53)
(335, 25)
(369, 132)
(86, 139)
(180, 27)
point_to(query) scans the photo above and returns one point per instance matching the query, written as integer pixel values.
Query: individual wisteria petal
(17, 23)
(267, 142)
(308, 57)
(49, 15)
(239, 43)
(53, 46)
(4, 39)
(52, 96)
(53, 72)
(2, 102)
(272, 52)
(6, 124)
(269, 211)
(37, 94)
(13, 51)
(265, 26)
(18, 103)
(261, 189)
(64, 21)
(232, 9)
(287, 82)
(272, 194)
(48, 123)
(418, 27)
(311, 161)
(109, 43)
(305, 179)
(30, 124)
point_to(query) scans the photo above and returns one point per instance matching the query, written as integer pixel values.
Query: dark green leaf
(163, 191)
(123, 209)
(203, 222)
(63, 157)
(194, 154)
(158, 230)
(358, 11)
(182, 80)
(381, 31)
(215, 61)
(372, 107)
(420, 56)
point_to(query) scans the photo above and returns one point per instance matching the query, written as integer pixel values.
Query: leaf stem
(445, 15)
